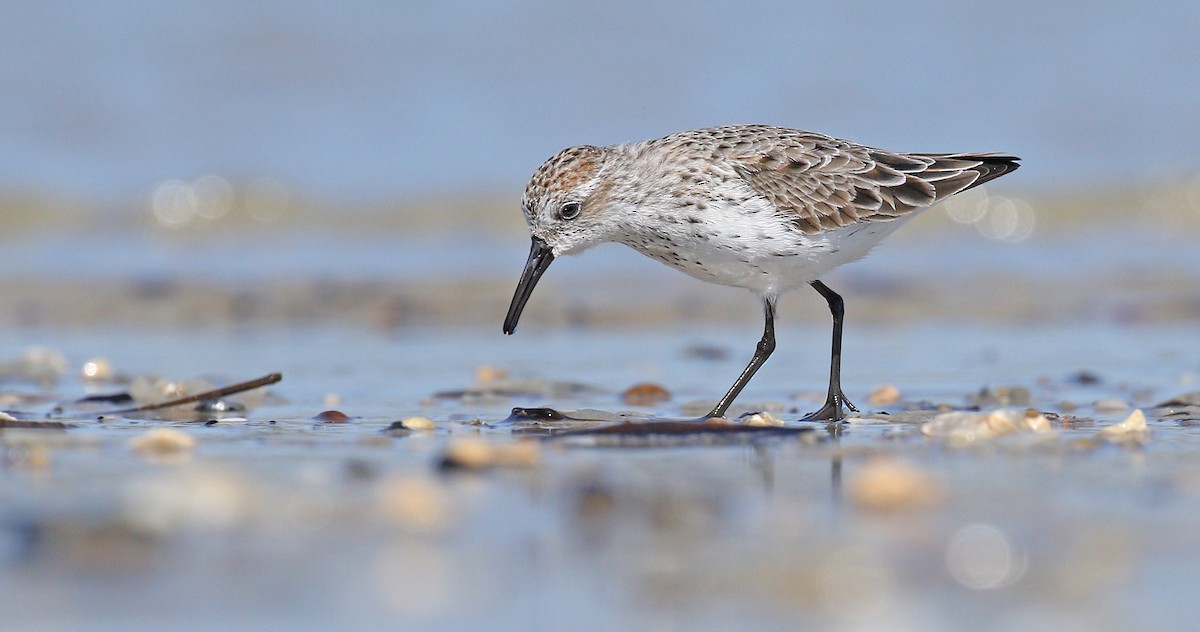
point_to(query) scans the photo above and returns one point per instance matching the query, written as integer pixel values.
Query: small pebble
(162, 441)
(1132, 430)
(645, 394)
(332, 417)
(468, 455)
(888, 485)
(418, 423)
(883, 395)
(477, 454)
(761, 419)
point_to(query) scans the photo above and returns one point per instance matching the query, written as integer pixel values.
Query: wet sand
(277, 516)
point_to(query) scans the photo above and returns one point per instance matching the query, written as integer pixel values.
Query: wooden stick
(213, 394)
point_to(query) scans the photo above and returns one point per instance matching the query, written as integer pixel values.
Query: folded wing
(829, 183)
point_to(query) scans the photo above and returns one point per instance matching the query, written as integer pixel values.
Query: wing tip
(992, 166)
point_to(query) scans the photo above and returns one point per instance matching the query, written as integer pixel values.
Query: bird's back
(829, 183)
(770, 208)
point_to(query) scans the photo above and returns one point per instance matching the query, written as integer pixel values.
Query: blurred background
(301, 161)
(206, 192)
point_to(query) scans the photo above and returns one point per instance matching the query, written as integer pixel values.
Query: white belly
(761, 252)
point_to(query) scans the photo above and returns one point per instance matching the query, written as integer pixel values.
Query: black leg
(765, 346)
(832, 410)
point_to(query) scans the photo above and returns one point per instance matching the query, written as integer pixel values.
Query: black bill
(540, 257)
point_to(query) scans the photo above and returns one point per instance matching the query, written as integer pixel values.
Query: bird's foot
(832, 410)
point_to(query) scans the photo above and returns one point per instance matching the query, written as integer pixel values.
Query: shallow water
(319, 524)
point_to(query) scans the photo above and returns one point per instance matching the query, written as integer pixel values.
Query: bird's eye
(570, 210)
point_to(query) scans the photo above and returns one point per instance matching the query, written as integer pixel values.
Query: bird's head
(565, 199)
(565, 207)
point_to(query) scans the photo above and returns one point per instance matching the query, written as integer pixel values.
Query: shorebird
(755, 206)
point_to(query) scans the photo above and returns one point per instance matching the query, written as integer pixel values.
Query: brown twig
(213, 394)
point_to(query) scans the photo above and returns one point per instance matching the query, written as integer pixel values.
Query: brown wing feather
(830, 183)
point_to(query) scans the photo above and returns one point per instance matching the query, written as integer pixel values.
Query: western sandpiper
(754, 206)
